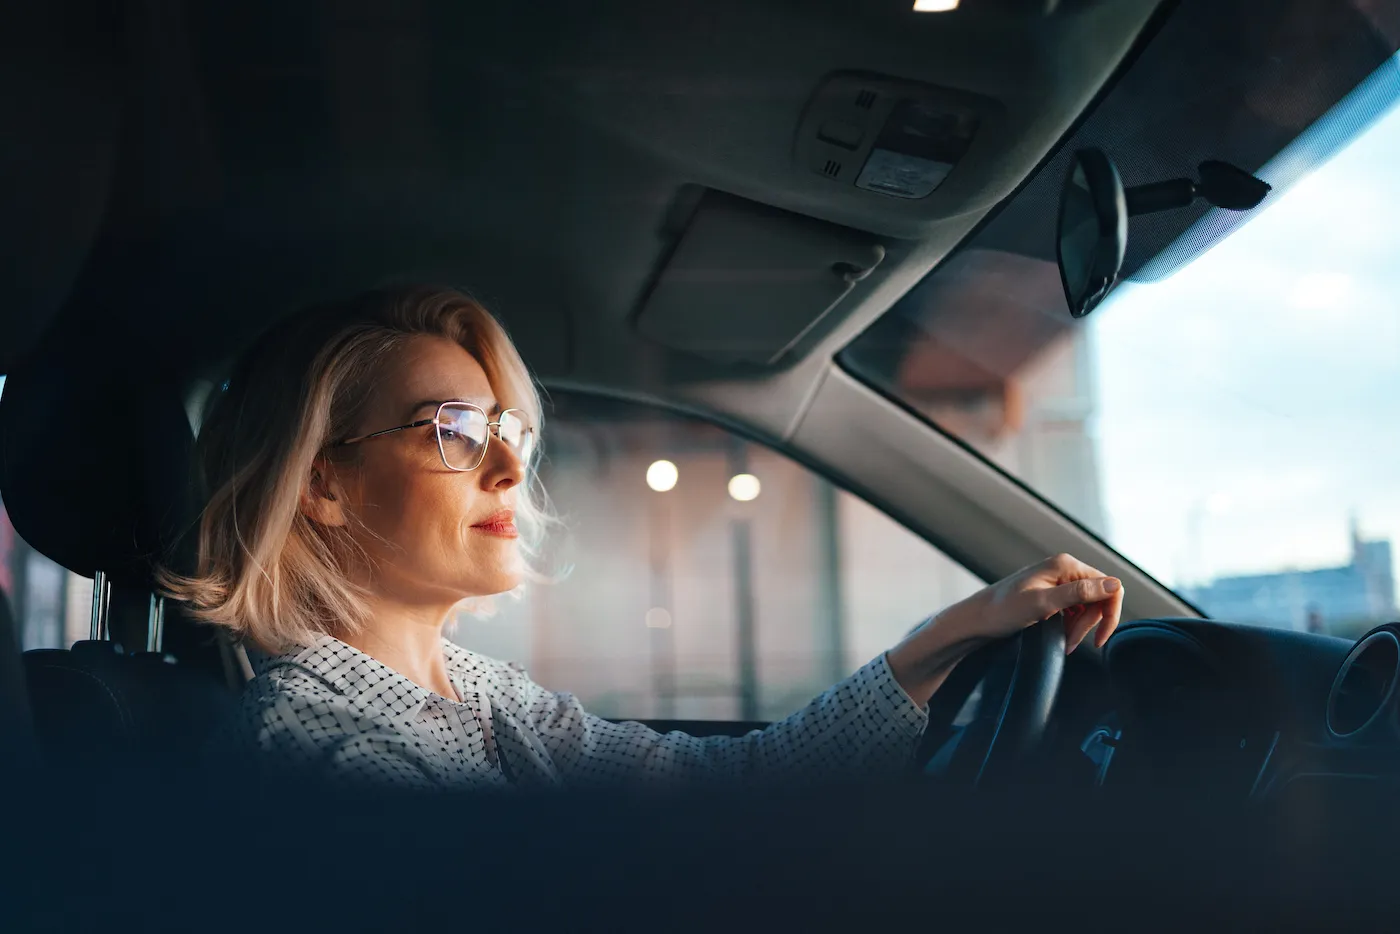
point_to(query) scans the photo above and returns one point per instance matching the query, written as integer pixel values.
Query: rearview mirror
(1093, 226)
(1093, 230)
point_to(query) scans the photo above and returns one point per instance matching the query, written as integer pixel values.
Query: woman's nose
(502, 468)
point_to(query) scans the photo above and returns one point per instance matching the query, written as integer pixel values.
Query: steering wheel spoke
(1021, 679)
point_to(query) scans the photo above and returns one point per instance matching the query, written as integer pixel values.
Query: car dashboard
(1245, 711)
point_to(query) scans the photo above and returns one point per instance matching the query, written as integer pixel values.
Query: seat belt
(238, 670)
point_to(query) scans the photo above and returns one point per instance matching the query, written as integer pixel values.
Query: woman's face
(434, 535)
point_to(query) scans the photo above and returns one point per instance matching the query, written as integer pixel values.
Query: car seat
(149, 685)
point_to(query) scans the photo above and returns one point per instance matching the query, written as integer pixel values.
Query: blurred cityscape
(1346, 600)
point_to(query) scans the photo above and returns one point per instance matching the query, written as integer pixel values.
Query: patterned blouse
(335, 710)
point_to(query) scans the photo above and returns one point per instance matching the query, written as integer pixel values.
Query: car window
(1226, 425)
(52, 605)
(709, 578)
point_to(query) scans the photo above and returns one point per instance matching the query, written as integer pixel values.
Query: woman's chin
(496, 568)
(503, 580)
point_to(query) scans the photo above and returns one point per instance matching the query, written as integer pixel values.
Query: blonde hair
(265, 570)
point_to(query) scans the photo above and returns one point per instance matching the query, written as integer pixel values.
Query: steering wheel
(1024, 672)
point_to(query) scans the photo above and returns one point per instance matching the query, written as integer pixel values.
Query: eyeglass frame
(493, 429)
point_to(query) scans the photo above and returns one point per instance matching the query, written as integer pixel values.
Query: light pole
(662, 477)
(741, 536)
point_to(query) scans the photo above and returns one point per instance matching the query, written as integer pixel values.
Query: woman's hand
(1087, 597)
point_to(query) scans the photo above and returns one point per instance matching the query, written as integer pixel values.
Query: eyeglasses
(463, 432)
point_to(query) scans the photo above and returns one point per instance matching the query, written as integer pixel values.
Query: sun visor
(747, 282)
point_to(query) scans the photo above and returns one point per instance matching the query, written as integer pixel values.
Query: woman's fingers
(1084, 591)
(1091, 600)
(1081, 625)
(1112, 616)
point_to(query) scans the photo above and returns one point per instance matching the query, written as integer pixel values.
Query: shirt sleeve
(864, 725)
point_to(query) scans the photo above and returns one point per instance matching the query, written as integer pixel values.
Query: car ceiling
(222, 164)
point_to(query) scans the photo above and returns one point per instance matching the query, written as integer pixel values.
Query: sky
(1249, 405)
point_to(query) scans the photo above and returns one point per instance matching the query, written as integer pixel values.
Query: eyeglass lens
(464, 432)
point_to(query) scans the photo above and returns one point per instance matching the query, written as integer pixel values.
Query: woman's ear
(322, 499)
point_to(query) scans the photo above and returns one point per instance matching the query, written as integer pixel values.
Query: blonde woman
(370, 467)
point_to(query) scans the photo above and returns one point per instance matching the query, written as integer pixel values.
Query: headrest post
(155, 623)
(101, 602)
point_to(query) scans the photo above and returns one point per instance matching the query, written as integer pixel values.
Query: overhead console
(901, 150)
(888, 138)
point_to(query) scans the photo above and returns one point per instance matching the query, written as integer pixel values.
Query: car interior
(679, 207)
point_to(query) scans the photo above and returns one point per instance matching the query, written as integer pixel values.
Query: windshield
(1230, 427)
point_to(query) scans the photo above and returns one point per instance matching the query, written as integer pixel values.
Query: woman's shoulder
(292, 717)
(293, 696)
(288, 683)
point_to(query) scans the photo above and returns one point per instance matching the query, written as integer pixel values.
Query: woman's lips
(502, 525)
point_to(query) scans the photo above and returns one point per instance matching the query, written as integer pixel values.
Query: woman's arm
(868, 723)
(865, 724)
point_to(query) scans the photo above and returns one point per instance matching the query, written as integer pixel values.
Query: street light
(662, 476)
(744, 487)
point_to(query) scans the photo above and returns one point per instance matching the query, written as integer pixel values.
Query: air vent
(865, 100)
(1365, 684)
(832, 168)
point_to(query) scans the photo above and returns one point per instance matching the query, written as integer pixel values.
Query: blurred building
(986, 351)
(1342, 600)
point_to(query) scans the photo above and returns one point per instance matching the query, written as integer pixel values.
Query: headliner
(264, 156)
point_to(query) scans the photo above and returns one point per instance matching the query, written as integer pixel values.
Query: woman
(370, 468)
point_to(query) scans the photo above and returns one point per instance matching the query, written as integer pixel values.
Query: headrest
(96, 476)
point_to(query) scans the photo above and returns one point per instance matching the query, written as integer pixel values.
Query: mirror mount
(1221, 184)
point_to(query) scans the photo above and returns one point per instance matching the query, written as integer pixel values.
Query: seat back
(16, 722)
(98, 707)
